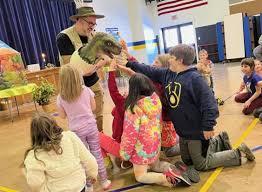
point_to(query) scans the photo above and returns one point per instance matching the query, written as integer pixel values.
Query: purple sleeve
(256, 79)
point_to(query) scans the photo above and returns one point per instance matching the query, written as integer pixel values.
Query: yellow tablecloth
(15, 91)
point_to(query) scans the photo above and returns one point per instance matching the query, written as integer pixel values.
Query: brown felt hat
(85, 12)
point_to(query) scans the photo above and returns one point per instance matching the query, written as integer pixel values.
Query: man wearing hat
(72, 39)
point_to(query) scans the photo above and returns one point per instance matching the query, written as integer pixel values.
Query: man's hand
(208, 134)
(103, 60)
(90, 70)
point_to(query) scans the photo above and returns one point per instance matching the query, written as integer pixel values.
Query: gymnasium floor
(15, 139)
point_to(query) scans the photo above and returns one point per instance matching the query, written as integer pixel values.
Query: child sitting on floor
(57, 160)
(252, 97)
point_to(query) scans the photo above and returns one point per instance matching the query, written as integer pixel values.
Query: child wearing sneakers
(57, 160)
(169, 138)
(112, 146)
(193, 111)
(252, 82)
(118, 117)
(76, 102)
(141, 139)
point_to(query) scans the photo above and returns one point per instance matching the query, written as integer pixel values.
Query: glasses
(91, 24)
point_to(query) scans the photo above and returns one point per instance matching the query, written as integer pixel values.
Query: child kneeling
(141, 139)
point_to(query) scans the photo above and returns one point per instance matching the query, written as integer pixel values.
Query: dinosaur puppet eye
(109, 43)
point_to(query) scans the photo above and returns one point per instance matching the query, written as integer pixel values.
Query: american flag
(171, 6)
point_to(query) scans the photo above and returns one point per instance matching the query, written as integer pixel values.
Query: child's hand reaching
(126, 70)
(123, 44)
(113, 65)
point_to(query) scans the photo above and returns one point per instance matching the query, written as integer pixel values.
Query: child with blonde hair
(169, 137)
(77, 103)
(57, 160)
(204, 67)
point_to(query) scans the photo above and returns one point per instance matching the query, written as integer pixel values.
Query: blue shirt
(251, 82)
(192, 107)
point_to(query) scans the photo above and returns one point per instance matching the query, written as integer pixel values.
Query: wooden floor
(14, 140)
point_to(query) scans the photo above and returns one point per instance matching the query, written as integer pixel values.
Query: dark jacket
(191, 105)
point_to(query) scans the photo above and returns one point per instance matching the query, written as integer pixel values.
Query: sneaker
(172, 151)
(257, 112)
(126, 165)
(225, 139)
(108, 163)
(244, 149)
(89, 188)
(174, 181)
(191, 172)
(177, 177)
(106, 185)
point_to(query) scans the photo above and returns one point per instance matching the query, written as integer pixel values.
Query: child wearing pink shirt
(77, 103)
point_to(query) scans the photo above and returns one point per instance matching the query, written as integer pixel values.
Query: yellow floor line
(4, 189)
(215, 174)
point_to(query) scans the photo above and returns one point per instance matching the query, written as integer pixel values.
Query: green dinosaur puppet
(88, 55)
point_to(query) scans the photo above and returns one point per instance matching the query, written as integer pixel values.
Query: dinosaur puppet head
(88, 55)
(101, 43)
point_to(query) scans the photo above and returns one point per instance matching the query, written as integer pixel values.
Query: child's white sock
(89, 188)
(106, 184)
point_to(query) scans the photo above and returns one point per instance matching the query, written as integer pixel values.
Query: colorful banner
(10, 59)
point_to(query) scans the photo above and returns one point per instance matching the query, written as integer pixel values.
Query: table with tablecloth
(6, 94)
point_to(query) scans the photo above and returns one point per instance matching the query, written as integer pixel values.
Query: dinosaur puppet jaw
(114, 51)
